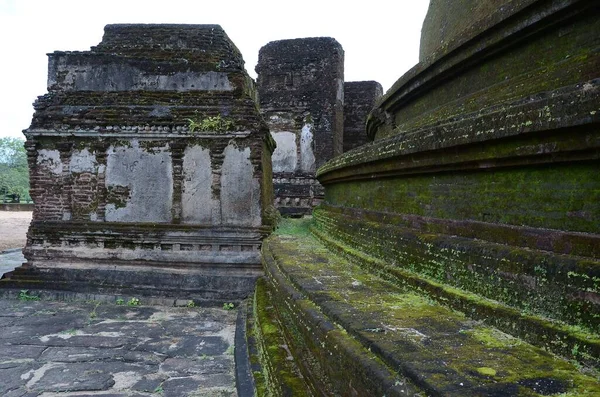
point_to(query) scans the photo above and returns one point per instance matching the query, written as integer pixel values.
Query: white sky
(380, 37)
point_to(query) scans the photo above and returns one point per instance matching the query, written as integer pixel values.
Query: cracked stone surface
(85, 349)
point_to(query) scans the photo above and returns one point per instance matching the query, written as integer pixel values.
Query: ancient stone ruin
(477, 203)
(301, 91)
(359, 99)
(457, 254)
(150, 168)
(312, 113)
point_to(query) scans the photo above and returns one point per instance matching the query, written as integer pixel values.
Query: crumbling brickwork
(359, 99)
(148, 151)
(301, 91)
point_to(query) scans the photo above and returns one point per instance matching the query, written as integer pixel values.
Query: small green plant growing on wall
(575, 350)
(133, 302)
(211, 123)
(120, 301)
(25, 296)
(228, 306)
(191, 303)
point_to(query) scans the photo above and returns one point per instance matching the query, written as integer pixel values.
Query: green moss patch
(562, 197)
(525, 291)
(278, 374)
(441, 350)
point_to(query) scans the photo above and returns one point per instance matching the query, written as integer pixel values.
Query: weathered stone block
(148, 153)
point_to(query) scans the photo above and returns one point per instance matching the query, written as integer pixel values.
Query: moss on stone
(558, 60)
(279, 375)
(500, 272)
(562, 197)
(401, 322)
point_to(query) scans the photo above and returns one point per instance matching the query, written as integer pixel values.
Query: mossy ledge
(339, 317)
(274, 370)
(331, 361)
(531, 282)
(569, 341)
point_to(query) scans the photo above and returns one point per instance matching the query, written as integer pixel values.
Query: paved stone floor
(51, 349)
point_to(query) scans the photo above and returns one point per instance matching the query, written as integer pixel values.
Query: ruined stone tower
(301, 90)
(150, 168)
(359, 99)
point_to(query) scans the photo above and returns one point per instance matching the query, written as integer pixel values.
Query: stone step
(353, 332)
(204, 287)
(538, 296)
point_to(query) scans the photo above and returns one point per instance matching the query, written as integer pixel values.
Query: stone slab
(96, 348)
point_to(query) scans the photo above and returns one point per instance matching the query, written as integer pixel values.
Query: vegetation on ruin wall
(278, 375)
(498, 287)
(562, 197)
(211, 124)
(14, 172)
(301, 271)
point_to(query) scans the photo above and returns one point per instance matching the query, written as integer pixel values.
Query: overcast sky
(380, 37)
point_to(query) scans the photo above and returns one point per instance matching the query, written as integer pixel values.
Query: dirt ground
(13, 228)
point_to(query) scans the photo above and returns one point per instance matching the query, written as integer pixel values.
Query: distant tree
(14, 173)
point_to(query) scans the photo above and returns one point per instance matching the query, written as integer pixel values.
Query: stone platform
(353, 333)
(84, 349)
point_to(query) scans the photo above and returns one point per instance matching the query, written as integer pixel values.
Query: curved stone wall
(482, 177)
(451, 23)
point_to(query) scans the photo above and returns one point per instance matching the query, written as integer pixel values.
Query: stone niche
(359, 99)
(301, 89)
(150, 168)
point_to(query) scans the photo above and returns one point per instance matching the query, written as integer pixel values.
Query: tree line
(14, 172)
